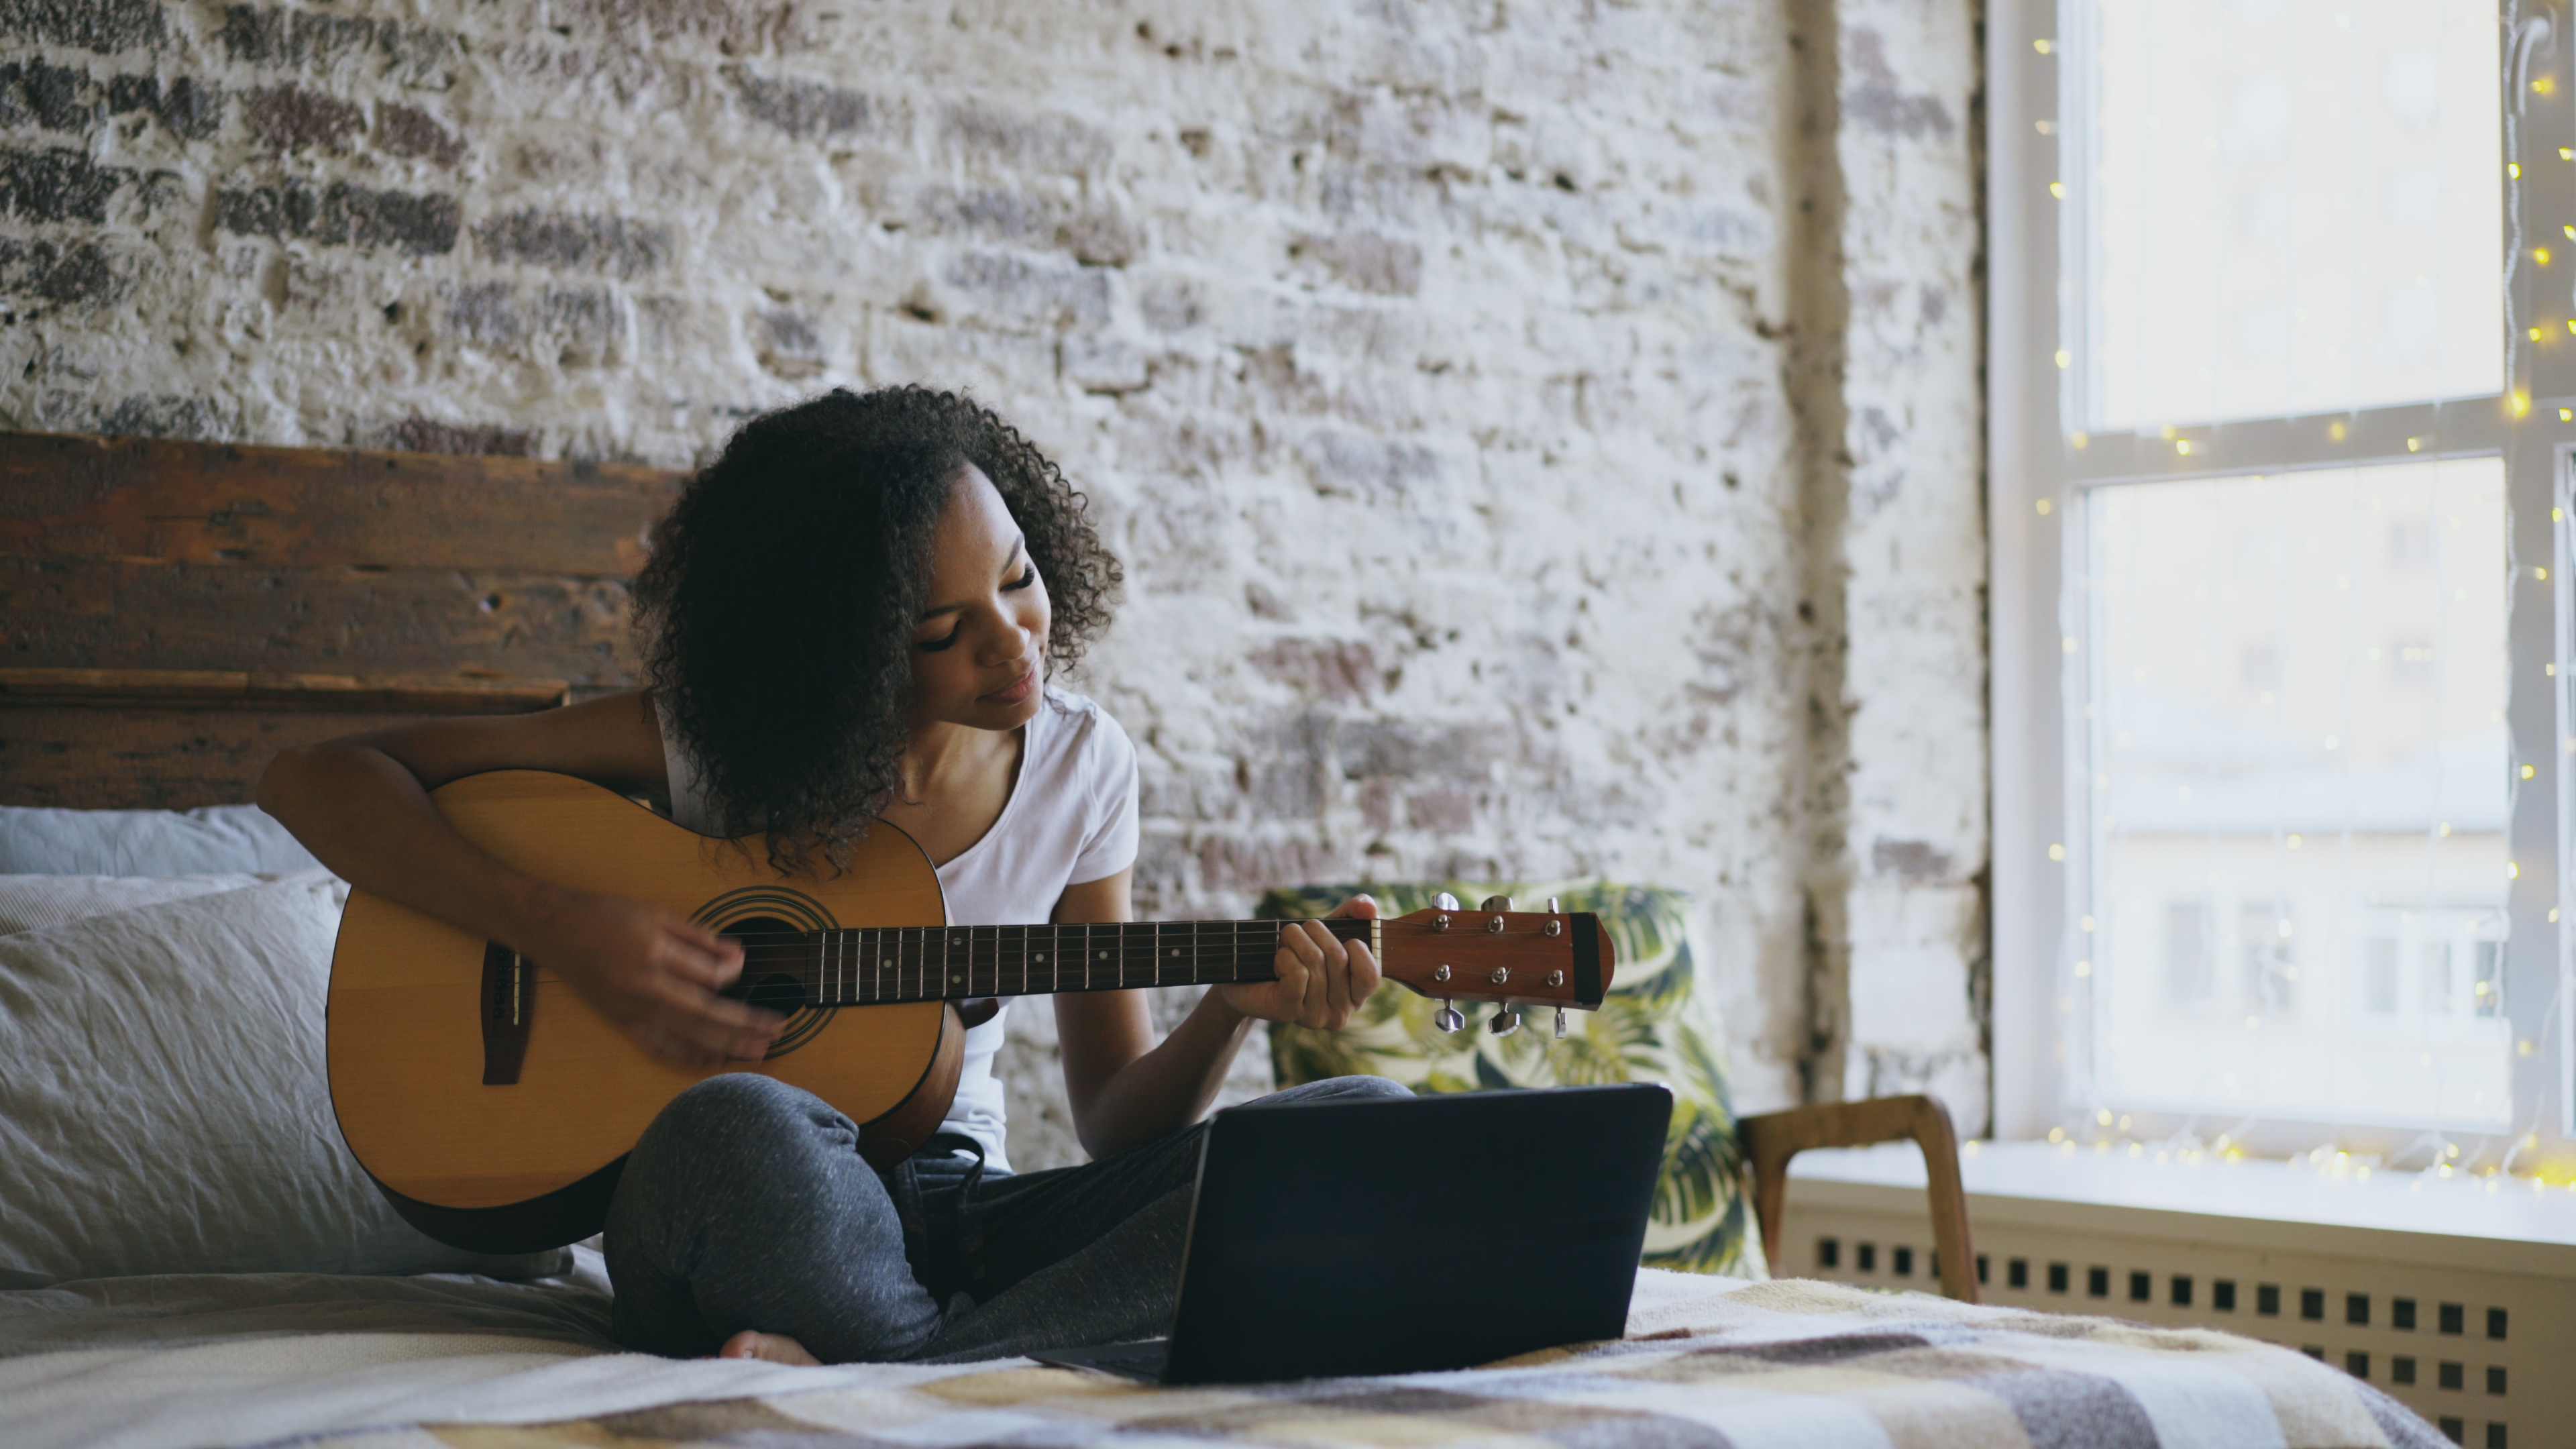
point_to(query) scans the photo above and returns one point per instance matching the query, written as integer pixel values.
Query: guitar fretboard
(874, 967)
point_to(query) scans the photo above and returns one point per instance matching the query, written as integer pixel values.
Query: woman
(853, 614)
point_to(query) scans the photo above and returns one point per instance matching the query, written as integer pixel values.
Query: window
(2284, 382)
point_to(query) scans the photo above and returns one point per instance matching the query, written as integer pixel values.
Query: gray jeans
(746, 1205)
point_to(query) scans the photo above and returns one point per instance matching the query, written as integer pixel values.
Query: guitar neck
(875, 967)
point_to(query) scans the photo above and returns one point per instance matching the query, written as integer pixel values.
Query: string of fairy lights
(2489, 1162)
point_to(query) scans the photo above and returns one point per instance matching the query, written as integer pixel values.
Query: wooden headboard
(176, 613)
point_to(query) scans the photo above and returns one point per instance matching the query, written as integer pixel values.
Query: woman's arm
(361, 805)
(1126, 1088)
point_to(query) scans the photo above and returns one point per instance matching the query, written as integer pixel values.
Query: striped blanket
(1799, 1365)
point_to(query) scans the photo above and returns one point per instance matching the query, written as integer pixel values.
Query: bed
(187, 1258)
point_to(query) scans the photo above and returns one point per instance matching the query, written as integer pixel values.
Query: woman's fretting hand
(1322, 979)
(655, 974)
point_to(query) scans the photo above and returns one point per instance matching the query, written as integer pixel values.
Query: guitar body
(424, 1017)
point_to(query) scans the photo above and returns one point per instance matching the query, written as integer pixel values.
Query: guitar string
(862, 981)
(1138, 927)
(850, 980)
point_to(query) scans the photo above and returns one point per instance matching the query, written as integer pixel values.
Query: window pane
(2300, 794)
(2296, 207)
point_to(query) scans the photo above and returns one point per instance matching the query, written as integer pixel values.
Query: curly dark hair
(777, 611)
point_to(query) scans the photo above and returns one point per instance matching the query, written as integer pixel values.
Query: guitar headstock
(1494, 953)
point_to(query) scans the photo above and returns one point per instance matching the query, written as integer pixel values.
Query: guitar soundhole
(769, 989)
(775, 992)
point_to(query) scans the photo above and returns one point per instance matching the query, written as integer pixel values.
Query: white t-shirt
(1071, 818)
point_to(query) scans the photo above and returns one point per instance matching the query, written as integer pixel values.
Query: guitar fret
(957, 963)
(869, 966)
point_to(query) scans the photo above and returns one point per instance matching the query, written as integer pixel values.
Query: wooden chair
(1771, 1139)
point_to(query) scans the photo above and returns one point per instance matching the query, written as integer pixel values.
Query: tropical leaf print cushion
(1657, 1024)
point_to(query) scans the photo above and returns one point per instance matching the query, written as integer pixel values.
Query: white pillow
(35, 902)
(163, 1106)
(216, 839)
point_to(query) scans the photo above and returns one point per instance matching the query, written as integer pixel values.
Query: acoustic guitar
(495, 1107)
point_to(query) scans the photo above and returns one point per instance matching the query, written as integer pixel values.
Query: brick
(1095, 235)
(1249, 867)
(801, 108)
(1336, 671)
(486, 314)
(786, 343)
(426, 435)
(1364, 261)
(57, 185)
(1029, 295)
(1914, 860)
(1378, 471)
(290, 118)
(300, 39)
(54, 97)
(343, 214)
(1441, 811)
(80, 273)
(191, 109)
(411, 132)
(1057, 144)
(101, 26)
(576, 242)
(586, 325)
(1879, 101)
(1414, 750)
(1104, 366)
(167, 415)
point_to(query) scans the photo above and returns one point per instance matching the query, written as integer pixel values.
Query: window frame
(2036, 304)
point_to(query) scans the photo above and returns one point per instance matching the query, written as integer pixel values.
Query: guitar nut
(1556, 978)
(1556, 928)
(1494, 926)
(1440, 923)
(1439, 973)
(1501, 975)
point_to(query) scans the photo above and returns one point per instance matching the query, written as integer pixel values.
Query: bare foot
(768, 1348)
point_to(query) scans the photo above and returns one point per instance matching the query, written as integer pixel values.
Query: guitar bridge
(509, 1000)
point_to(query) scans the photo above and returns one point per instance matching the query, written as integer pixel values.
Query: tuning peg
(1444, 902)
(1552, 906)
(1505, 1022)
(1496, 903)
(1448, 1019)
(1560, 1023)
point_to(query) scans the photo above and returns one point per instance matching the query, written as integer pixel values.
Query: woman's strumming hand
(1322, 979)
(655, 974)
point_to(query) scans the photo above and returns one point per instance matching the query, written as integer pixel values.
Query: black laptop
(1379, 1236)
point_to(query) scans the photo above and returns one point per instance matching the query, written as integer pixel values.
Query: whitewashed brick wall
(1543, 439)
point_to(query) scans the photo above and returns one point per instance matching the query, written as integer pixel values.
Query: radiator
(2458, 1297)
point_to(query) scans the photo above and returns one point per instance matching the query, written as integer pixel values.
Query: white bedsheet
(194, 1362)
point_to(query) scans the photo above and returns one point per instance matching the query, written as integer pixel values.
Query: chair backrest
(1658, 1024)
